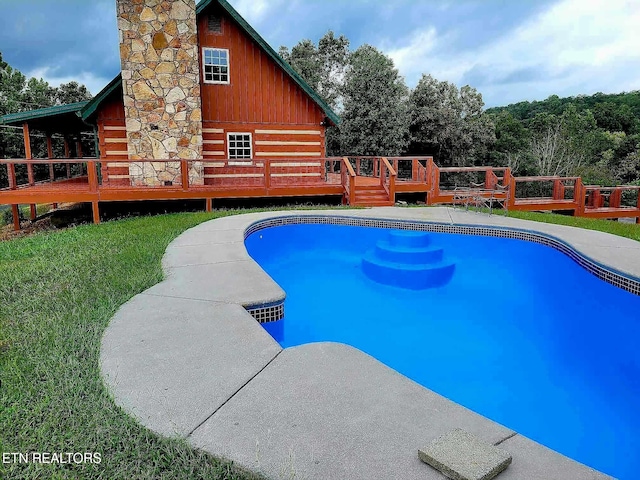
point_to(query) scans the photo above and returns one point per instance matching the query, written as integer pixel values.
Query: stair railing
(349, 181)
(388, 178)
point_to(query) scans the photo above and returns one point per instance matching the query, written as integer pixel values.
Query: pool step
(409, 239)
(385, 250)
(408, 260)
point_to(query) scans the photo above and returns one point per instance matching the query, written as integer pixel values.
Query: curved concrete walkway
(186, 359)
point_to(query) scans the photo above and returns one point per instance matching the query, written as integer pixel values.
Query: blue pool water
(520, 334)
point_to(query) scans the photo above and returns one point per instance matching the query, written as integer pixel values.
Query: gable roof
(58, 118)
(94, 103)
(19, 118)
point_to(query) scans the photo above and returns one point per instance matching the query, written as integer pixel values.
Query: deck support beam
(95, 209)
(208, 204)
(27, 155)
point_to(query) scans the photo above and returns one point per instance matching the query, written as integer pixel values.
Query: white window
(215, 62)
(239, 145)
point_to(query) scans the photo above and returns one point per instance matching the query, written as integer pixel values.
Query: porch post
(79, 151)
(11, 173)
(52, 174)
(67, 154)
(27, 155)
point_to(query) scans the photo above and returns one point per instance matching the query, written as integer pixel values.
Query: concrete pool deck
(186, 359)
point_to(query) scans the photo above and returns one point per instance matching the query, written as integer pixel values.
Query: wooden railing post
(579, 196)
(392, 179)
(184, 174)
(558, 190)
(615, 200)
(52, 173)
(414, 169)
(357, 165)
(92, 173)
(350, 180)
(27, 156)
(512, 191)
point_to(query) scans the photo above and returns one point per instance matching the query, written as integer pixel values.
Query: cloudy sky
(510, 50)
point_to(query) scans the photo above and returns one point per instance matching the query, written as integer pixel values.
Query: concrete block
(462, 456)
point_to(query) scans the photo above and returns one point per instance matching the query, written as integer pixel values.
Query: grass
(629, 230)
(57, 294)
(6, 216)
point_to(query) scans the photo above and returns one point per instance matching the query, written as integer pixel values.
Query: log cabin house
(204, 108)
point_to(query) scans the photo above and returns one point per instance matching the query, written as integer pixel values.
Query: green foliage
(323, 68)
(595, 137)
(449, 122)
(555, 105)
(375, 119)
(511, 148)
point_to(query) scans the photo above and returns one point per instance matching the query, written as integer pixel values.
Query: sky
(509, 50)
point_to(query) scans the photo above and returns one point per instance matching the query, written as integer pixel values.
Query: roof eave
(91, 107)
(24, 117)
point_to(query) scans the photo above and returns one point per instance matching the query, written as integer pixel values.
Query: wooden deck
(364, 181)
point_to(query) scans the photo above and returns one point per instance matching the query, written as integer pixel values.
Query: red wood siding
(112, 136)
(259, 91)
(292, 145)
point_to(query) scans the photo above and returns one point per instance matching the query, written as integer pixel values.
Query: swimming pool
(520, 333)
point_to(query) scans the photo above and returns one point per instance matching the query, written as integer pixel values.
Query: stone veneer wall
(161, 88)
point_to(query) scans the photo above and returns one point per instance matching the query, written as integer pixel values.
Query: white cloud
(254, 10)
(582, 46)
(93, 82)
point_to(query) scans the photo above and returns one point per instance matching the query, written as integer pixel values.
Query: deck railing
(478, 181)
(558, 193)
(95, 180)
(349, 181)
(388, 178)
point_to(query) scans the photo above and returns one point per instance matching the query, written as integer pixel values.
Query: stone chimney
(161, 88)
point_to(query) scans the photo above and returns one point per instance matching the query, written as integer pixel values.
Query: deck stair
(370, 193)
(408, 260)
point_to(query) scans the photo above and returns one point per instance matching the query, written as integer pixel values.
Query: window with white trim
(239, 145)
(215, 64)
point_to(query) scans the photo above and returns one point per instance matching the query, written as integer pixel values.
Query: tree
(614, 118)
(512, 143)
(322, 67)
(304, 60)
(562, 144)
(71, 92)
(375, 120)
(448, 122)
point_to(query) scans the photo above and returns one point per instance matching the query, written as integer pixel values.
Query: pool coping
(187, 359)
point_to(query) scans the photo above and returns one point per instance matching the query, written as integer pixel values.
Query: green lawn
(58, 291)
(629, 230)
(57, 294)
